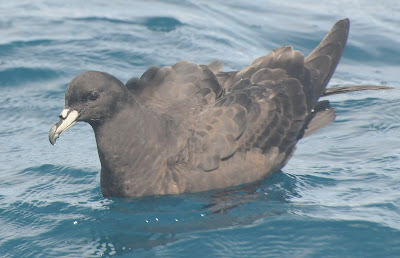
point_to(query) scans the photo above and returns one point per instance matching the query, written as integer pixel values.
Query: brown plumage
(190, 128)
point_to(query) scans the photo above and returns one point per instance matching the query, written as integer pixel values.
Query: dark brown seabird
(191, 128)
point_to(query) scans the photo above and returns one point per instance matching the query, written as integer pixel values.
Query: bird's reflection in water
(150, 222)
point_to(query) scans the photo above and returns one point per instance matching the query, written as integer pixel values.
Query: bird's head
(92, 97)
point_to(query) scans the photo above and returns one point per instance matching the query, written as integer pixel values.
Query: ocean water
(339, 196)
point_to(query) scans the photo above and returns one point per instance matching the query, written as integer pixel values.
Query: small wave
(103, 19)
(48, 184)
(24, 75)
(164, 24)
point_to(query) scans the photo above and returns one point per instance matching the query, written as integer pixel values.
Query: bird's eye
(92, 96)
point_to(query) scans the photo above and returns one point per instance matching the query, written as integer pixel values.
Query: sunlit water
(338, 196)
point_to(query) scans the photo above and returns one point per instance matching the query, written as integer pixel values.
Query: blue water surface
(339, 196)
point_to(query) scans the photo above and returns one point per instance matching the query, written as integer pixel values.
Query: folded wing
(270, 104)
(266, 106)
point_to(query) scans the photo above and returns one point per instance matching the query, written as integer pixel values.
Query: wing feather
(175, 89)
(266, 106)
(272, 100)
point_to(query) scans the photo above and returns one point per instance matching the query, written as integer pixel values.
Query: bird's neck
(132, 149)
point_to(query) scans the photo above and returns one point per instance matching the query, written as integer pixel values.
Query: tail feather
(345, 89)
(322, 115)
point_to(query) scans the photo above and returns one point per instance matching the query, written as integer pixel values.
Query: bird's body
(191, 128)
